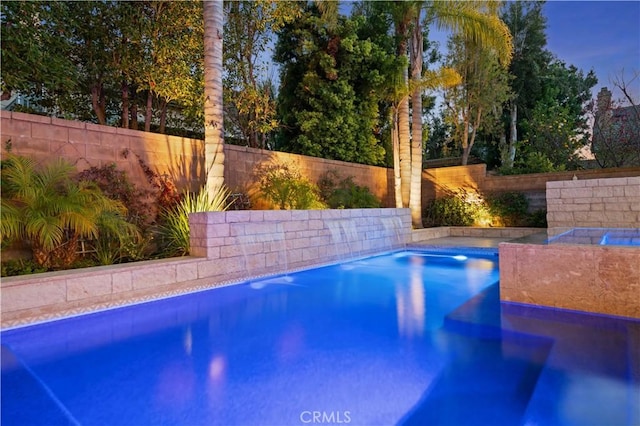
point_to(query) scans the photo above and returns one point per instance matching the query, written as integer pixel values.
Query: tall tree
(530, 58)
(330, 89)
(213, 95)
(35, 56)
(475, 104)
(480, 22)
(250, 110)
(558, 126)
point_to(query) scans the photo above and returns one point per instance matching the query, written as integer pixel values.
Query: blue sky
(599, 35)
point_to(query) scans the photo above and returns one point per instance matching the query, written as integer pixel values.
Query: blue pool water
(414, 337)
(599, 236)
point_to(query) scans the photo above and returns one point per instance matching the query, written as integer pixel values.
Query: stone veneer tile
(121, 282)
(277, 215)
(256, 216)
(218, 230)
(300, 215)
(311, 247)
(33, 295)
(186, 272)
(239, 216)
(295, 225)
(81, 288)
(153, 276)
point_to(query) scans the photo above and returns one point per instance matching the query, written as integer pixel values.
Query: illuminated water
(599, 236)
(412, 337)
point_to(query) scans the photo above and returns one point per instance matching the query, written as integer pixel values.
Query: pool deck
(484, 242)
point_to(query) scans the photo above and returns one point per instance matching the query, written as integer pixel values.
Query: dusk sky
(599, 35)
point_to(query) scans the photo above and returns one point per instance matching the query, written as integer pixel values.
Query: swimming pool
(411, 337)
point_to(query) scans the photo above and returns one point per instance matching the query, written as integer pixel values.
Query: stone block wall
(594, 203)
(259, 242)
(227, 247)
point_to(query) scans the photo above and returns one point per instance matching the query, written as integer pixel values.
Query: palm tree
(403, 13)
(213, 113)
(52, 211)
(477, 20)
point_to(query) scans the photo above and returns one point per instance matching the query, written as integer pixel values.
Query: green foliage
(51, 210)
(538, 219)
(332, 89)
(21, 267)
(474, 105)
(250, 107)
(35, 55)
(175, 228)
(284, 186)
(104, 61)
(511, 207)
(115, 184)
(533, 162)
(470, 208)
(341, 193)
(451, 210)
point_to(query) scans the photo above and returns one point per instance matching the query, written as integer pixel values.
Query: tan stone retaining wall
(590, 278)
(227, 247)
(594, 203)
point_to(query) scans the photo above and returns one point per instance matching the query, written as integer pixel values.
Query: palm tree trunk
(415, 198)
(404, 140)
(395, 140)
(213, 113)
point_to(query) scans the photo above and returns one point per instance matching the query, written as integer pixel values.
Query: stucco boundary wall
(439, 182)
(227, 247)
(87, 144)
(182, 159)
(593, 203)
(588, 278)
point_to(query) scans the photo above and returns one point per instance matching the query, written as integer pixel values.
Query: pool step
(487, 382)
(25, 400)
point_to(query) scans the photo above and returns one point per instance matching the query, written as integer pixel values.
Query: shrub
(345, 194)
(471, 208)
(538, 219)
(175, 230)
(21, 267)
(115, 185)
(284, 186)
(533, 162)
(508, 208)
(52, 211)
(451, 210)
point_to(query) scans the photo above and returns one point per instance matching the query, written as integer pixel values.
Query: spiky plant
(175, 229)
(50, 210)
